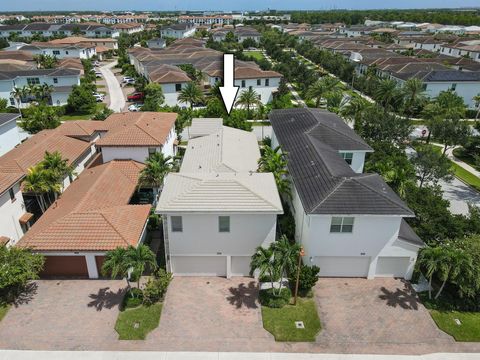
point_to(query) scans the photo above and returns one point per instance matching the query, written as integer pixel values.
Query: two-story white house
(350, 224)
(137, 135)
(9, 133)
(61, 51)
(178, 31)
(62, 81)
(217, 210)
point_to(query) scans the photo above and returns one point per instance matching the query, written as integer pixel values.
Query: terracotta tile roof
(4, 240)
(138, 129)
(93, 213)
(7, 180)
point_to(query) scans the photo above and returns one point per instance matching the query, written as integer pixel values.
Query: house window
(178, 87)
(267, 82)
(348, 157)
(259, 82)
(341, 225)
(56, 52)
(151, 151)
(66, 52)
(177, 224)
(12, 101)
(55, 80)
(454, 86)
(243, 83)
(224, 224)
(12, 194)
(33, 81)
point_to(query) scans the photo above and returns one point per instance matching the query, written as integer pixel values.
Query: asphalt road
(117, 99)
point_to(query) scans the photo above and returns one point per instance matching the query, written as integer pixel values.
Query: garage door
(199, 265)
(339, 266)
(241, 265)
(68, 266)
(392, 266)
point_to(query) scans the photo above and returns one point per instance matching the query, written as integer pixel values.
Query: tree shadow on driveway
(105, 298)
(244, 295)
(406, 298)
(25, 295)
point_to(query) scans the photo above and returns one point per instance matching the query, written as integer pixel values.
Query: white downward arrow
(228, 90)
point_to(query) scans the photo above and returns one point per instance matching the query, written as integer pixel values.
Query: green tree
(274, 161)
(154, 97)
(36, 182)
(81, 100)
(354, 109)
(138, 259)
(18, 267)
(263, 261)
(39, 117)
(157, 166)
(57, 167)
(414, 98)
(248, 99)
(387, 94)
(191, 94)
(321, 88)
(431, 166)
(476, 99)
(46, 61)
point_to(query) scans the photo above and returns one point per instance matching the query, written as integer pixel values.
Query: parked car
(99, 97)
(135, 107)
(96, 63)
(129, 82)
(98, 74)
(136, 96)
(127, 79)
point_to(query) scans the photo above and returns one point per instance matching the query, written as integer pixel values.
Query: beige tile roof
(168, 74)
(204, 126)
(227, 150)
(82, 127)
(137, 129)
(223, 192)
(7, 180)
(93, 213)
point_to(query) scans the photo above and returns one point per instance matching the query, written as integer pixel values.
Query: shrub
(307, 279)
(133, 298)
(156, 287)
(267, 298)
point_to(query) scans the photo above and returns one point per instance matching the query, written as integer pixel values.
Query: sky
(227, 5)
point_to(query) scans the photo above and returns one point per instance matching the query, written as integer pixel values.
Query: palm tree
(157, 166)
(275, 161)
(429, 260)
(354, 108)
(46, 92)
(248, 99)
(321, 88)
(452, 263)
(263, 260)
(191, 93)
(57, 168)
(137, 259)
(115, 264)
(214, 92)
(286, 254)
(413, 93)
(387, 93)
(476, 98)
(36, 183)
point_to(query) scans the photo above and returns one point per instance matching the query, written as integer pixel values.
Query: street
(117, 100)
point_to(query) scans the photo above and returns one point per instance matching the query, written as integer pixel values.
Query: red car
(135, 96)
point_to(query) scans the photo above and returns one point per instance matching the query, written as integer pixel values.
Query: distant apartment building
(206, 20)
(177, 31)
(48, 30)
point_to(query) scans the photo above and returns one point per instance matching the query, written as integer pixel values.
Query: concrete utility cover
(299, 325)
(458, 322)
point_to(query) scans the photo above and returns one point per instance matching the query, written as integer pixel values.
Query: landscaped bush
(156, 287)
(133, 298)
(268, 298)
(307, 279)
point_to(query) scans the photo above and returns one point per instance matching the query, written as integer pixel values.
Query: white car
(135, 107)
(98, 74)
(127, 79)
(99, 97)
(96, 63)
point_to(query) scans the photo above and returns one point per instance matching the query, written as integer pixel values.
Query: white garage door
(241, 265)
(392, 266)
(342, 266)
(199, 265)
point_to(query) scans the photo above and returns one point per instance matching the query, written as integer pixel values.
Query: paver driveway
(64, 314)
(379, 311)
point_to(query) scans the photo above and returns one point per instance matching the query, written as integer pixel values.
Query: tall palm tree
(321, 88)
(273, 160)
(36, 182)
(191, 94)
(429, 260)
(476, 98)
(157, 166)
(57, 167)
(137, 259)
(115, 264)
(413, 93)
(263, 260)
(214, 92)
(387, 93)
(17, 94)
(46, 92)
(286, 253)
(452, 263)
(354, 108)
(248, 99)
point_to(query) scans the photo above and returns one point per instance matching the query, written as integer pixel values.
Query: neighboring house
(157, 43)
(206, 20)
(217, 210)
(350, 224)
(61, 79)
(18, 210)
(241, 33)
(48, 30)
(93, 216)
(172, 79)
(61, 51)
(9, 134)
(135, 136)
(464, 48)
(128, 28)
(177, 31)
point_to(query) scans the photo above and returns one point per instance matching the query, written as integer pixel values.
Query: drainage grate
(299, 325)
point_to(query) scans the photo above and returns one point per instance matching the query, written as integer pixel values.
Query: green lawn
(281, 322)
(258, 55)
(136, 323)
(3, 310)
(70, 117)
(469, 330)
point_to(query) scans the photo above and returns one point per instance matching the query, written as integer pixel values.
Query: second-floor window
(178, 87)
(243, 83)
(177, 223)
(12, 194)
(342, 224)
(224, 224)
(259, 82)
(454, 86)
(348, 157)
(56, 52)
(151, 151)
(55, 80)
(33, 81)
(267, 82)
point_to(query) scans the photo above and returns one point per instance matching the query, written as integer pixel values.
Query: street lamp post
(300, 254)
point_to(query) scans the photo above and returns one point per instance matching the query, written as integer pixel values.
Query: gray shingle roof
(407, 234)
(453, 75)
(7, 117)
(325, 183)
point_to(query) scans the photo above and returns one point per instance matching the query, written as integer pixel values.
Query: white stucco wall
(467, 90)
(358, 160)
(265, 92)
(200, 235)
(10, 213)
(9, 137)
(139, 154)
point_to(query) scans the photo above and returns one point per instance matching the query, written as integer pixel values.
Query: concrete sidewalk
(134, 355)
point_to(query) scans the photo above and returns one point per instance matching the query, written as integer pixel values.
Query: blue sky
(45, 5)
